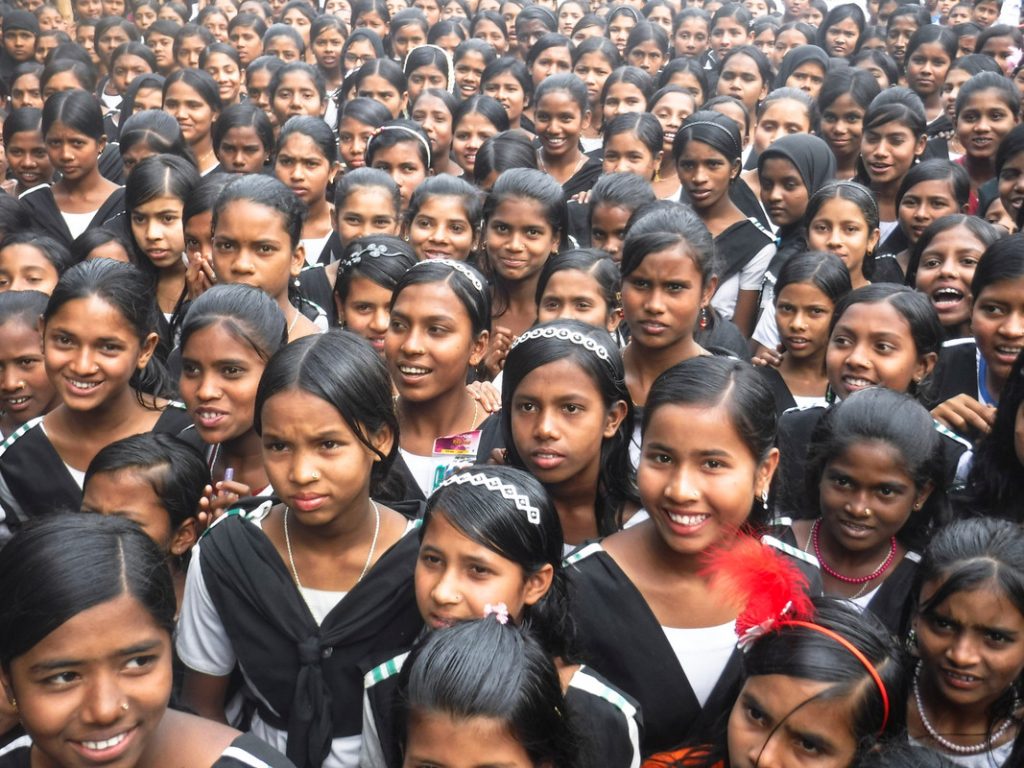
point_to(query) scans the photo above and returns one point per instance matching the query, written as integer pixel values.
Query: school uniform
(890, 601)
(784, 399)
(606, 720)
(246, 751)
(744, 249)
(47, 217)
(743, 197)
(685, 680)
(315, 287)
(322, 250)
(584, 179)
(884, 267)
(303, 653)
(35, 481)
(961, 370)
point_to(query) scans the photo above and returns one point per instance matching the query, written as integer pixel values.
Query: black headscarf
(797, 57)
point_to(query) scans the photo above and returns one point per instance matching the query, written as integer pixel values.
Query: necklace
(476, 412)
(291, 325)
(947, 745)
(369, 555)
(850, 579)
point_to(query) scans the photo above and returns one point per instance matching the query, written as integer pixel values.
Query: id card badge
(453, 452)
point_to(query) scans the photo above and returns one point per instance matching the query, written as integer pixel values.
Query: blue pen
(229, 475)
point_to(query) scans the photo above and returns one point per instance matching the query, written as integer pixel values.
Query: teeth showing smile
(83, 385)
(17, 400)
(105, 744)
(413, 371)
(856, 383)
(688, 520)
(947, 296)
(962, 678)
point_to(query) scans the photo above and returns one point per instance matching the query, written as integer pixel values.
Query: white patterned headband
(564, 334)
(458, 266)
(495, 485)
(403, 129)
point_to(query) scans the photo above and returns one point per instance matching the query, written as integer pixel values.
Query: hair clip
(499, 611)
(494, 484)
(458, 266)
(574, 337)
(372, 251)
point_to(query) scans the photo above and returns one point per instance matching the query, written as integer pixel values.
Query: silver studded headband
(495, 485)
(573, 337)
(459, 267)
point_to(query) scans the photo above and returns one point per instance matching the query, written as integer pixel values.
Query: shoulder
(17, 754)
(385, 671)
(590, 682)
(248, 751)
(19, 433)
(583, 553)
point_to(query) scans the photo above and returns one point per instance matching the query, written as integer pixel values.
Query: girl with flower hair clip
(821, 684)
(491, 542)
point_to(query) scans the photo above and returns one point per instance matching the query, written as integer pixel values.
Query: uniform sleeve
(370, 753)
(247, 751)
(767, 331)
(202, 642)
(752, 273)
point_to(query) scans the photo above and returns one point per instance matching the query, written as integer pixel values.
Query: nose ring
(124, 706)
(316, 475)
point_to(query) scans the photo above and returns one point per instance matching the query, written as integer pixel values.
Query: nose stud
(316, 475)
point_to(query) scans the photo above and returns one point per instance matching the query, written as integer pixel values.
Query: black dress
(46, 216)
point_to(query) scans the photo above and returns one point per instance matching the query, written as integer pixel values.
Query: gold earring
(14, 703)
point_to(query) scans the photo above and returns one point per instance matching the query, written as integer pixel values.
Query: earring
(703, 318)
(911, 642)
(764, 500)
(13, 702)
(296, 282)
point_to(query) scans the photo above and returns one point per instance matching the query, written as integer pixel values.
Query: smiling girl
(473, 122)
(193, 98)
(842, 218)
(844, 99)
(560, 114)
(102, 629)
(25, 389)
(401, 149)
(72, 127)
(327, 574)
(987, 109)
(441, 222)
(434, 111)
(99, 335)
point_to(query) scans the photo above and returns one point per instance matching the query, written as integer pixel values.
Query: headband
(458, 266)
(856, 653)
(739, 149)
(447, 58)
(495, 485)
(847, 184)
(406, 129)
(575, 337)
(371, 251)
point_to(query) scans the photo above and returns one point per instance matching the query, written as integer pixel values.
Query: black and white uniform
(65, 227)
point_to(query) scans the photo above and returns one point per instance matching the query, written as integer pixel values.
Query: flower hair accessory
(459, 267)
(495, 485)
(574, 337)
(499, 611)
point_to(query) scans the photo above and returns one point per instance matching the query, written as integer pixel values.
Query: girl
(283, 42)
(117, 598)
(525, 715)
(806, 292)
(471, 58)
(500, 153)
(942, 266)
(333, 567)
(368, 272)
(154, 201)
(900, 27)
(701, 407)
(593, 61)
(580, 454)
(843, 101)
(27, 157)
(297, 89)
(647, 47)
(671, 106)
(894, 139)
(357, 122)
(962, 70)
(490, 27)
(519, 536)
(969, 393)
(257, 229)
(707, 152)
(306, 160)
(193, 99)
(805, 67)
(440, 324)
(327, 36)
(102, 244)
(842, 218)
(408, 30)
(401, 149)
(930, 52)
(929, 191)
(561, 114)
(987, 108)
(627, 89)
(72, 127)
(229, 334)
(383, 81)
(691, 33)
(875, 489)
(99, 335)
(156, 481)
(612, 202)
(634, 143)
(427, 66)
(621, 21)
(372, 14)
(148, 133)
(552, 54)
(473, 122)
(581, 284)
(434, 112)
(880, 336)
(31, 262)
(243, 139)
(687, 74)
(841, 31)
(746, 75)
(220, 61)
(1009, 170)
(362, 46)
(968, 612)
(257, 83)
(441, 220)
(569, 14)
(25, 389)
(730, 28)
(507, 81)
(525, 222)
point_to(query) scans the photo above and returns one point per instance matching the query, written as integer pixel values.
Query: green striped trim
(575, 557)
(389, 668)
(20, 431)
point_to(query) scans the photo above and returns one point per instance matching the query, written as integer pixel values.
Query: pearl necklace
(881, 569)
(947, 745)
(369, 556)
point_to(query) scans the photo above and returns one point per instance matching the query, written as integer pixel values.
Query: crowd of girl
(468, 383)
